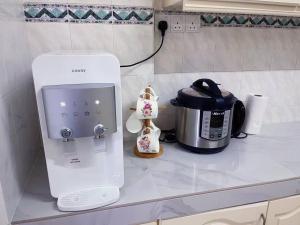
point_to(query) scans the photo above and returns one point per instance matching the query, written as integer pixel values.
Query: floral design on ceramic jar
(147, 109)
(144, 143)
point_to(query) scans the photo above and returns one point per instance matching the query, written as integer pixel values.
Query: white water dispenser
(79, 103)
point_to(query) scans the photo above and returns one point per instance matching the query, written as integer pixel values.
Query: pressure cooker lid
(198, 94)
(205, 94)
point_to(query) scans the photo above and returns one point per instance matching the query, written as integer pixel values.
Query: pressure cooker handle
(174, 102)
(211, 89)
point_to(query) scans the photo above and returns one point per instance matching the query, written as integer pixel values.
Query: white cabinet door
(284, 211)
(243, 215)
(262, 7)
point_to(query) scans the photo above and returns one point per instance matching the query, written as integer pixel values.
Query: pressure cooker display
(215, 124)
(217, 119)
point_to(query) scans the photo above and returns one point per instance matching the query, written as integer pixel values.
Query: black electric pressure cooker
(207, 117)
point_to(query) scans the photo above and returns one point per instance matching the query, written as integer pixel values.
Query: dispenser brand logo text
(78, 70)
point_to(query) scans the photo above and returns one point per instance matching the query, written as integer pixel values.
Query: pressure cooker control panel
(215, 124)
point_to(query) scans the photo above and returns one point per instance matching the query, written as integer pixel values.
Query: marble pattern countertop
(179, 183)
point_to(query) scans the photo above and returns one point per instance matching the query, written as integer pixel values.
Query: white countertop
(269, 158)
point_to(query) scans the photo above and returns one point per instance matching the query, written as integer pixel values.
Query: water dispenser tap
(66, 134)
(99, 131)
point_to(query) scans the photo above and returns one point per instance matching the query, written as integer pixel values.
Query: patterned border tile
(90, 14)
(133, 15)
(80, 13)
(46, 12)
(239, 20)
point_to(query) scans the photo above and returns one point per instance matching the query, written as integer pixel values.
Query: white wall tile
(18, 117)
(169, 59)
(227, 49)
(286, 90)
(92, 36)
(133, 43)
(46, 37)
(25, 123)
(10, 9)
(16, 63)
(12, 52)
(256, 44)
(282, 49)
(198, 49)
(10, 177)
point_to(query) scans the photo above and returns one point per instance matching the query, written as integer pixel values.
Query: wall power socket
(192, 23)
(177, 23)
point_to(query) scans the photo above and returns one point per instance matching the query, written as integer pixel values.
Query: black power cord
(162, 26)
(168, 136)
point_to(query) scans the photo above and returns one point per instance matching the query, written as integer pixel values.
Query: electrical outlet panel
(192, 23)
(177, 23)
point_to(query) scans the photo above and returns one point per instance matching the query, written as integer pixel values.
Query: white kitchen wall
(19, 136)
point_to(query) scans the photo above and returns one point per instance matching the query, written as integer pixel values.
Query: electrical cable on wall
(162, 26)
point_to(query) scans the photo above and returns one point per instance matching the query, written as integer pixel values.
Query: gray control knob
(66, 133)
(99, 130)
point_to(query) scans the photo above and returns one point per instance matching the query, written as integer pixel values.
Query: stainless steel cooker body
(194, 129)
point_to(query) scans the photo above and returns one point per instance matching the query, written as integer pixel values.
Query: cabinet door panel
(243, 215)
(284, 211)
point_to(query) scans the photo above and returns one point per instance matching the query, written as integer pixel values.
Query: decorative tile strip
(80, 13)
(133, 15)
(46, 13)
(223, 20)
(90, 14)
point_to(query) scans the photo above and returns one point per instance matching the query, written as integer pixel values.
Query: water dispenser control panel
(79, 110)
